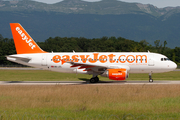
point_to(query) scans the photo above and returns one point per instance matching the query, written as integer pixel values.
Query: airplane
(114, 65)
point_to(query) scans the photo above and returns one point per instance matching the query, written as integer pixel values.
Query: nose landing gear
(150, 78)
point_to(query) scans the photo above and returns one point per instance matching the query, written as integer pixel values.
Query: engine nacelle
(116, 74)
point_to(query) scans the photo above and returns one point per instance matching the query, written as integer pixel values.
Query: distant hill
(82, 7)
(76, 18)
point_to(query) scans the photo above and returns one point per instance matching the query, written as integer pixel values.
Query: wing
(98, 68)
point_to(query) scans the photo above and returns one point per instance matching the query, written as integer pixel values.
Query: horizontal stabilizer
(18, 57)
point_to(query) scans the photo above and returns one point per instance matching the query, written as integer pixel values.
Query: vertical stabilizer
(23, 42)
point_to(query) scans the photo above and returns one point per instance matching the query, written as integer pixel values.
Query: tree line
(104, 44)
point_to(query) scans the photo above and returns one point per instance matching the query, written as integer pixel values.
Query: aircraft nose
(173, 65)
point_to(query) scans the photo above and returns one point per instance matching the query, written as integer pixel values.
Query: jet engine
(116, 74)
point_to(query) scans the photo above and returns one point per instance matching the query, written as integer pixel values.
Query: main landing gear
(94, 80)
(150, 78)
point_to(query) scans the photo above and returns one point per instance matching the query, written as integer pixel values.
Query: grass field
(90, 102)
(42, 75)
(79, 102)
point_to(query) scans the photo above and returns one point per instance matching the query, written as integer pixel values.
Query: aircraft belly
(62, 70)
(149, 70)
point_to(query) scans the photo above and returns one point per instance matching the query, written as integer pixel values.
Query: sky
(158, 3)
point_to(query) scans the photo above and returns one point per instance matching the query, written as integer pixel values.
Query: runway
(87, 83)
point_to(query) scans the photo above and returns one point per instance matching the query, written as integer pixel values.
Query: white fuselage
(133, 62)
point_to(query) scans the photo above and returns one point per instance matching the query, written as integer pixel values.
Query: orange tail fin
(23, 42)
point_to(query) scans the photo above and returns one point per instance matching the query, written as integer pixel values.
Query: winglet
(23, 42)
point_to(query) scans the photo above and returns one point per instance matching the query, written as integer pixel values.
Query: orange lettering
(75, 58)
(56, 59)
(111, 58)
(102, 57)
(141, 57)
(95, 58)
(84, 59)
(120, 58)
(128, 59)
(65, 59)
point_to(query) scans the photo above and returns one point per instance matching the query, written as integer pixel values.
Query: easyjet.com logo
(25, 38)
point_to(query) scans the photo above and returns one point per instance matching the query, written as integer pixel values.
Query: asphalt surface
(87, 83)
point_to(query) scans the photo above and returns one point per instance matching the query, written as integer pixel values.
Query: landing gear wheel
(94, 80)
(151, 80)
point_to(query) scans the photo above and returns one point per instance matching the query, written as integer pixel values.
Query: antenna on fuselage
(73, 51)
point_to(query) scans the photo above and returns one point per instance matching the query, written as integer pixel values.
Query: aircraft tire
(151, 80)
(96, 79)
(92, 80)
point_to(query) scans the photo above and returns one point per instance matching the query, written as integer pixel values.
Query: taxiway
(164, 82)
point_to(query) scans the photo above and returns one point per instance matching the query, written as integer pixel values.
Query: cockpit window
(165, 59)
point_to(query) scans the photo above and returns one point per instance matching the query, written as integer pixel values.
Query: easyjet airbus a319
(114, 65)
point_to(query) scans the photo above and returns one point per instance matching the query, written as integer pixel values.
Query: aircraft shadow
(39, 81)
(87, 80)
(84, 81)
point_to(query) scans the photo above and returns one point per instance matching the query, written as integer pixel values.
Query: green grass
(43, 75)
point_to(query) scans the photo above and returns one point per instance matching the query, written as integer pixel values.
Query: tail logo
(25, 38)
